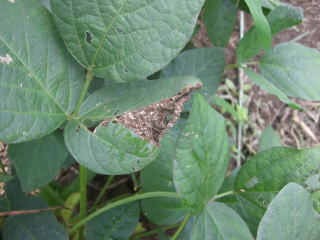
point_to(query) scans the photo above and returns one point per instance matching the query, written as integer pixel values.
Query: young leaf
(207, 64)
(39, 81)
(118, 223)
(220, 17)
(280, 18)
(125, 40)
(115, 99)
(158, 176)
(269, 87)
(36, 226)
(217, 221)
(294, 69)
(45, 155)
(269, 139)
(260, 22)
(290, 216)
(111, 149)
(201, 155)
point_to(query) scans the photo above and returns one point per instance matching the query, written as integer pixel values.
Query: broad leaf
(125, 40)
(118, 223)
(36, 226)
(201, 155)
(5, 178)
(269, 139)
(114, 99)
(290, 216)
(219, 222)
(158, 176)
(207, 64)
(269, 87)
(294, 69)
(39, 81)
(111, 149)
(260, 22)
(280, 18)
(270, 170)
(220, 17)
(38, 162)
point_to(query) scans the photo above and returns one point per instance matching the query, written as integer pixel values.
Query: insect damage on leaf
(154, 120)
(7, 59)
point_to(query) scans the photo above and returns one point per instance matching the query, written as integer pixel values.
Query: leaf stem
(102, 193)
(83, 196)
(235, 65)
(84, 90)
(223, 195)
(121, 202)
(181, 227)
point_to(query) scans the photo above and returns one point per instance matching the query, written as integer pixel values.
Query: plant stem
(181, 227)
(84, 90)
(102, 193)
(144, 234)
(121, 202)
(236, 65)
(223, 195)
(83, 196)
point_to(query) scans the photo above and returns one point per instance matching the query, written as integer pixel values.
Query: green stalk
(102, 193)
(181, 227)
(121, 202)
(84, 90)
(223, 195)
(83, 196)
(144, 234)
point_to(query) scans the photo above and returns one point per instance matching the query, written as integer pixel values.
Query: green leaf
(5, 178)
(280, 18)
(118, 223)
(46, 156)
(290, 216)
(219, 222)
(260, 22)
(158, 176)
(207, 64)
(36, 226)
(269, 139)
(39, 81)
(269, 87)
(115, 99)
(220, 17)
(294, 69)
(111, 149)
(201, 155)
(125, 40)
(270, 170)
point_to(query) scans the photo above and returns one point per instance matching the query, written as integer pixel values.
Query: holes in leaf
(89, 37)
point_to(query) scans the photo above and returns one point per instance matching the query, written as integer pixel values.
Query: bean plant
(117, 88)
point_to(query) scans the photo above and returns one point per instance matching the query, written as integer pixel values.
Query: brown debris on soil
(153, 121)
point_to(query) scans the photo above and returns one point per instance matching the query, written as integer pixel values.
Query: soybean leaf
(260, 22)
(37, 226)
(39, 81)
(290, 216)
(201, 155)
(294, 69)
(158, 176)
(220, 17)
(114, 99)
(217, 221)
(5, 178)
(269, 87)
(37, 162)
(280, 18)
(316, 200)
(207, 64)
(269, 139)
(118, 223)
(270, 170)
(125, 40)
(111, 149)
